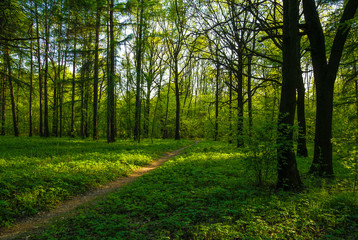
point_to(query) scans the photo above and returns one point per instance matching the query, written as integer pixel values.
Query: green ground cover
(38, 173)
(209, 193)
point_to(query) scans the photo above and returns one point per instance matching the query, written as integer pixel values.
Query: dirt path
(38, 221)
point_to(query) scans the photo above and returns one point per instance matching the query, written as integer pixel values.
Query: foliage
(36, 174)
(205, 194)
(260, 152)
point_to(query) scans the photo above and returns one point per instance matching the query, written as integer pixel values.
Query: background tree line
(241, 71)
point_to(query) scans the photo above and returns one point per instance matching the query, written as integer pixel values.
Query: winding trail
(36, 222)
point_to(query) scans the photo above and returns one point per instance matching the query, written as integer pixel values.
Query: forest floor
(65, 208)
(212, 190)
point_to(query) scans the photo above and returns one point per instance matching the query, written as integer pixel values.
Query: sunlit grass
(208, 193)
(37, 173)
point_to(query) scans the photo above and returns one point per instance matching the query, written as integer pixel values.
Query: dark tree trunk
(301, 118)
(95, 79)
(230, 106)
(12, 97)
(128, 94)
(139, 50)
(177, 98)
(40, 71)
(61, 95)
(165, 127)
(110, 87)
(288, 176)
(3, 98)
(249, 93)
(147, 110)
(46, 126)
(325, 76)
(31, 83)
(72, 130)
(217, 79)
(82, 90)
(240, 101)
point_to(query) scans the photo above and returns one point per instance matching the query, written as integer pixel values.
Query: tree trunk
(165, 127)
(61, 95)
(139, 45)
(217, 79)
(46, 126)
(249, 93)
(177, 98)
(230, 106)
(288, 176)
(72, 130)
(95, 78)
(110, 87)
(40, 71)
(301, 118)
(240, 101)
(13, 104)
(31, 83)
(325, 76)
(3, 98)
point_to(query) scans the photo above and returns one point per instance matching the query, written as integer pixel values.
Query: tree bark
(72, 130)
(240, 101)
(110, 87)
(217, 79)
(40, 71)
(31, 83)
(95, 78)
(301, 117)
(139, 50)
(230, 106)
(13, 104)
(177, 97)
(165, 127)
(325, 76)
(288, 176)
(3, 98)
(46, 126)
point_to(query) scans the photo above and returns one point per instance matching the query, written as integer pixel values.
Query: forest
(262, 94)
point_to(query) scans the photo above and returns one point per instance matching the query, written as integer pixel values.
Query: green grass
(207, 193)
(38, 173)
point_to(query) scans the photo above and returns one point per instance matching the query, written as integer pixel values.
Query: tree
(110, 85)
(139, 52)
(288, 176)
(325, 73)
(96, 70)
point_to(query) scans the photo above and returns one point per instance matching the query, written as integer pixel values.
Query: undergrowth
(38, 173)
(208, 193)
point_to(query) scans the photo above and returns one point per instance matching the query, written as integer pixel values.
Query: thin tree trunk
(31, 83)
(3, 98)
(240, 101)
(110, 87)
(249, 93)
(137, 128)
(96, 70)
(216, 136)
(46, 126)
(13, 104)
(72, 130)
(230, 106)
(301, 118)
(165, 127)
(40, 71)
(177, 98)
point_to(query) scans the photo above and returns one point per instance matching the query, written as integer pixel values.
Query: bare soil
(63, 210)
